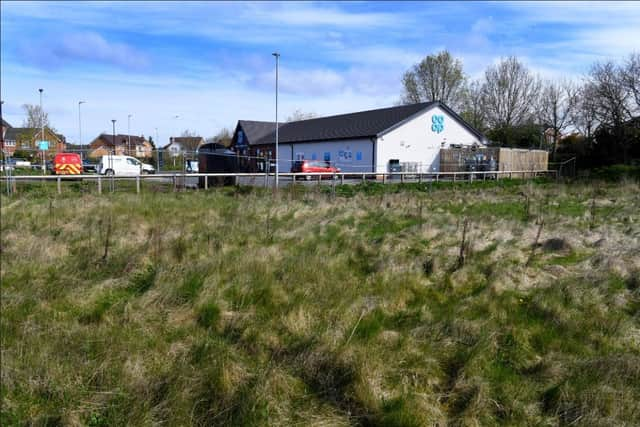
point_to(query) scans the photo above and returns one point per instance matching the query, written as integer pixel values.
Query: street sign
(43, 145)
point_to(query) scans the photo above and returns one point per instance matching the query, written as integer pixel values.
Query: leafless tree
(583, 116)
(473, 110)
(509, 93)
(631, 79)
(223, 137)
(34, 118)
(188, 133)
(298, 114)
(557, 102)
(437, 77)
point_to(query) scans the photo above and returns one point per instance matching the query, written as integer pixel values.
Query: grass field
(364, 307)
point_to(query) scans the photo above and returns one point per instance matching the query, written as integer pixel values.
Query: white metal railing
(342, 177)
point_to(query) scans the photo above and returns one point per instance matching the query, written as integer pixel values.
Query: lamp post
(80, 128)
(157, 153)
(42, 130)
(129, 132)
(277, 55)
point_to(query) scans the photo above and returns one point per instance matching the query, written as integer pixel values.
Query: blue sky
(210, 63)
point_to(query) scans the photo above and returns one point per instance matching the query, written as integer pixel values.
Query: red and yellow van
(67, 164)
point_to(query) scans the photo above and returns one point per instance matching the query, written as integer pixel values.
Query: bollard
(138, 184)
(99, 185)
(59, 186)
(206, 182)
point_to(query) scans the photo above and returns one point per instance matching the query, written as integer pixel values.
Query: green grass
(235, 306)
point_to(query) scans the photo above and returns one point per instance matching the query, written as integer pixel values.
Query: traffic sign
(43, 145)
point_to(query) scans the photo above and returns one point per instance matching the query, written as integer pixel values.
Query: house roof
(13, 133)
(107, 140)
(6, 124)
(189, 142)
(362, 124)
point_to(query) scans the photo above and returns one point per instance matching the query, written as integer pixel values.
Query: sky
(203, 66)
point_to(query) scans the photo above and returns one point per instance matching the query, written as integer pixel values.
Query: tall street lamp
(80, 127)
(42, 130)
(277, 55)
(129, 131)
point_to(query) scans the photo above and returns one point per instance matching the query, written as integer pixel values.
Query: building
(409, 136)
(130, 145)
(179, 145)
(27, 139)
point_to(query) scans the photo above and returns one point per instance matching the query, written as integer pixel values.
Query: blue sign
(437, 123)
(43, 145)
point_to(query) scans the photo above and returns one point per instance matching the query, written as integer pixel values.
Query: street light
(129, 132)
(277, 55)
(80, 127)
(42, 130)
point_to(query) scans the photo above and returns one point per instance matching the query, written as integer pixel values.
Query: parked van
(123, 166)
(67, 164)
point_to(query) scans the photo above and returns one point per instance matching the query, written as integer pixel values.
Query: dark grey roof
(363, 124)
(6, 124)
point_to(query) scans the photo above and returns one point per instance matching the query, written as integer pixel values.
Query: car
(111, 165)
(89, 167)
(313, 166)
(19, 163)
(191, 166)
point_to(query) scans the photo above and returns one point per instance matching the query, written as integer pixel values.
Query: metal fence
(177, 181)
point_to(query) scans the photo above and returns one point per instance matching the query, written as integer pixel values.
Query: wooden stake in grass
(106, 240)
(535, 243)
(463, 245)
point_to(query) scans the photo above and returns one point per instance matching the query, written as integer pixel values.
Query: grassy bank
(367, 307)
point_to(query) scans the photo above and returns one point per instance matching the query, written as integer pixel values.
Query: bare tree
(557, 102)
(584, 116)
(473, 110)
(509, 93)
(188, 133)
(631, 78)
(34, 118)
(437, 77)
(223, 137)
(298, 114)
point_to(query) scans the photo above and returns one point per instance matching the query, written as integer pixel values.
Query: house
(366, 141)
(27, 139)
(179, 145)
(130, 145)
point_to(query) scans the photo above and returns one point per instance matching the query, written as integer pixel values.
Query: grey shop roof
(362, 124)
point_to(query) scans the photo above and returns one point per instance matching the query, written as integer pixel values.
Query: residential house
(130, 145)
(180, 145)
(27, 139)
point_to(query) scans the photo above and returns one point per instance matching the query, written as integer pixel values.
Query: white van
(123, 166)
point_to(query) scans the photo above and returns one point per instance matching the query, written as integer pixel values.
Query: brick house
(104, 144)
(27, 139)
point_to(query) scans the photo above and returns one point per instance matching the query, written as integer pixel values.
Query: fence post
(454, 176)
(206, 182)
(420, 178)
(384, 178)
(138, 184)
(99, 185)
(342, 179)
(59, 185)
(175, 185)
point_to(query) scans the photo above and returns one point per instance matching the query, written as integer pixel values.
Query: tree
(298, 114)
(509, 93)
(35, 117)
(473, 111)
(557, 102)
(613, 107)
(584, 117)
(223, 137)
(631, 79)
(188, 133)
(437, 77)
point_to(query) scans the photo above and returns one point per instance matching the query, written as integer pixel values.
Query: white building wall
(352, 155)
(416, 141)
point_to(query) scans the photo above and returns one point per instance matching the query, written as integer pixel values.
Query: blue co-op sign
(437, 123)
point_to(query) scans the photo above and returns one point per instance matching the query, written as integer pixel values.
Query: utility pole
(44, 167)
(113, 121)
(80, 128)
(277, 55)
(129, 132)
(157, 152)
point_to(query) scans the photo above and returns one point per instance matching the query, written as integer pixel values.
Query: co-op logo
(437, 123)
